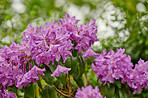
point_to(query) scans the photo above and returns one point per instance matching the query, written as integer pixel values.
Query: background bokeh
(121, 23)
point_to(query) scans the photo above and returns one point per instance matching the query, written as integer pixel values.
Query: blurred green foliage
(134, 30)
(137, 25)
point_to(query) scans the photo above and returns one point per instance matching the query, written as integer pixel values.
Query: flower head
(111, 65)
(60, 69)
(5, 94)
(138, 78)
(88, 92)
(31, 76)
(87, 35)
(89, 52)
(13, 67)
(44, 45)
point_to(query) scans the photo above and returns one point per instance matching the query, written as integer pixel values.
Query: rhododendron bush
(57, 61)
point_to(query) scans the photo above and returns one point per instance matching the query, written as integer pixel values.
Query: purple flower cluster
(13, 68)
(88, 92)
(5, 94)
(43, 45)
(89, 53)
(60, 69)
(55, 40)
(46, 44)
(139, 76)
(30, 76)
(87, 35)
(111, 65)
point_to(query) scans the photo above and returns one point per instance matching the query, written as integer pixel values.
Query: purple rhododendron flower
(60, 69)
(53, 42)
(84, 35)
(44, 45)
(89, 52)
(13, 68)
(5, 94)
(30, 76)
(111, 65)
(88, 92)
(87, 35)
(70, 25)
(139, 76)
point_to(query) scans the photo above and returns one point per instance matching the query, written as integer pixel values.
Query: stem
(69, 89)
(69, 96)
(84, 79)
(37, 92)
(17, 93)
(59, 96)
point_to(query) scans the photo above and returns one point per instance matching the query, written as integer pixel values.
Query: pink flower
(60, 69)
(88, 92)
(111, 65)
(89, 52)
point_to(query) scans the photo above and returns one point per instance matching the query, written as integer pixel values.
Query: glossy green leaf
(48, 92)
(109, 92)
(116, 95)
(108, 84)
(48, 78)
(81, 65)
(122, 93)
(74, 52)
(79, 81)
(118, 83)
(71, 62)
(29, 91)
(39, 83)
(80, 69)
(61, 78)
(12, 88)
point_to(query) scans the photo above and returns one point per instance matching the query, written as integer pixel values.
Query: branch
(69, 89)
(69, 96)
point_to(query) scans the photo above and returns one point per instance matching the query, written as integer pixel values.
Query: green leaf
(81, 66)
(80, 69)
(102, 90)
(39, 83)
(118, 83)
(116, 95)
(48, 70)
(12, 88)
(79, 81)
(48, 92)
(109, 92)
(27, 65)
(61, 78)
(62, 96)
(108, 84)
(29, 91)
(74, 52)
(48, 78)
(53, 67)
(71, 62)
(122, 93)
